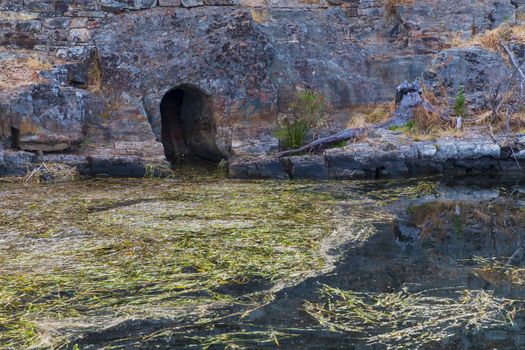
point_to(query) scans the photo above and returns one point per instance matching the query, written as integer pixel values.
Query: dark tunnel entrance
(187, 128)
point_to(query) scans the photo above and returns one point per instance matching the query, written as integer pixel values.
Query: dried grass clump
(52, 172)
(518, 121)
(497, 124)
(427, 123)
(38, 64)
(95, 77)
(491, 39)
(430, 124)
(369, 115)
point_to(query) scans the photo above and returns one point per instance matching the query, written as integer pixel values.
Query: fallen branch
(408, 96)
(343, 135)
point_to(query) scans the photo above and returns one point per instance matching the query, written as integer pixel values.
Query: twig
(33, 173)
(512, 58)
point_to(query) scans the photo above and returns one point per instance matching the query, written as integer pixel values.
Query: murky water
(218, 264)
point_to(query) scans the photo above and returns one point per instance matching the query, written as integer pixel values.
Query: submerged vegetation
(405, 320)
(197, 260)
(73, 254)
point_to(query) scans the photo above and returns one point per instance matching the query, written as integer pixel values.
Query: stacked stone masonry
(53, 24)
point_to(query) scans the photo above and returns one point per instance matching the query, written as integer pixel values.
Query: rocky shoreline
(20, 163)
(389, 154)
(384, 154)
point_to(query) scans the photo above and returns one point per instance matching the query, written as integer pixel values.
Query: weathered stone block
(252, 3)
(57, 23)
(192, 3)
(50, 118)
(221, 2)
(79, 22)
(116, 166)
(169, 3)
(425, 150)
(343, 165)
(272, 169)
(79, 35)
(308, 167)
(16, 163)
(73, 53)
(450, 149)
(121, 5)
(29, 26)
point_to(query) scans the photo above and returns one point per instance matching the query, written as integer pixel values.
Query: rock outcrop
(87, 78)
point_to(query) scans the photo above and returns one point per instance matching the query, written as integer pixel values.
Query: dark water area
(218, 264)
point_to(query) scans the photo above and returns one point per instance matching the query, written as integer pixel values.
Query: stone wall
(249, 56)
(48, 25)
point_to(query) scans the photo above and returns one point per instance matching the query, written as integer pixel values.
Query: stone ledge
(386, 158)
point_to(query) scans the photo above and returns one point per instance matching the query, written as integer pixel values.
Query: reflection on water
(141, 264)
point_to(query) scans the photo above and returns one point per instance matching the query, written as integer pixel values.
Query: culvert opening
(187, 128)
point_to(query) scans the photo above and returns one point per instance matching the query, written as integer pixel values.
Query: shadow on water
(444, 269)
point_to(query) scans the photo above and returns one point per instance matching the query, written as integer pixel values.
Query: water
(219, 264)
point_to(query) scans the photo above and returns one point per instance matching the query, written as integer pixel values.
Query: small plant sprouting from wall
(460, 103)
(223, 165)
(307, 114)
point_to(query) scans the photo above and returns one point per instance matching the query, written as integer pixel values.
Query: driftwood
(342, 135)
(408, 96)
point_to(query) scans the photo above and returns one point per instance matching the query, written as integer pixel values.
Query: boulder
(476, 69)
(50, 118)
